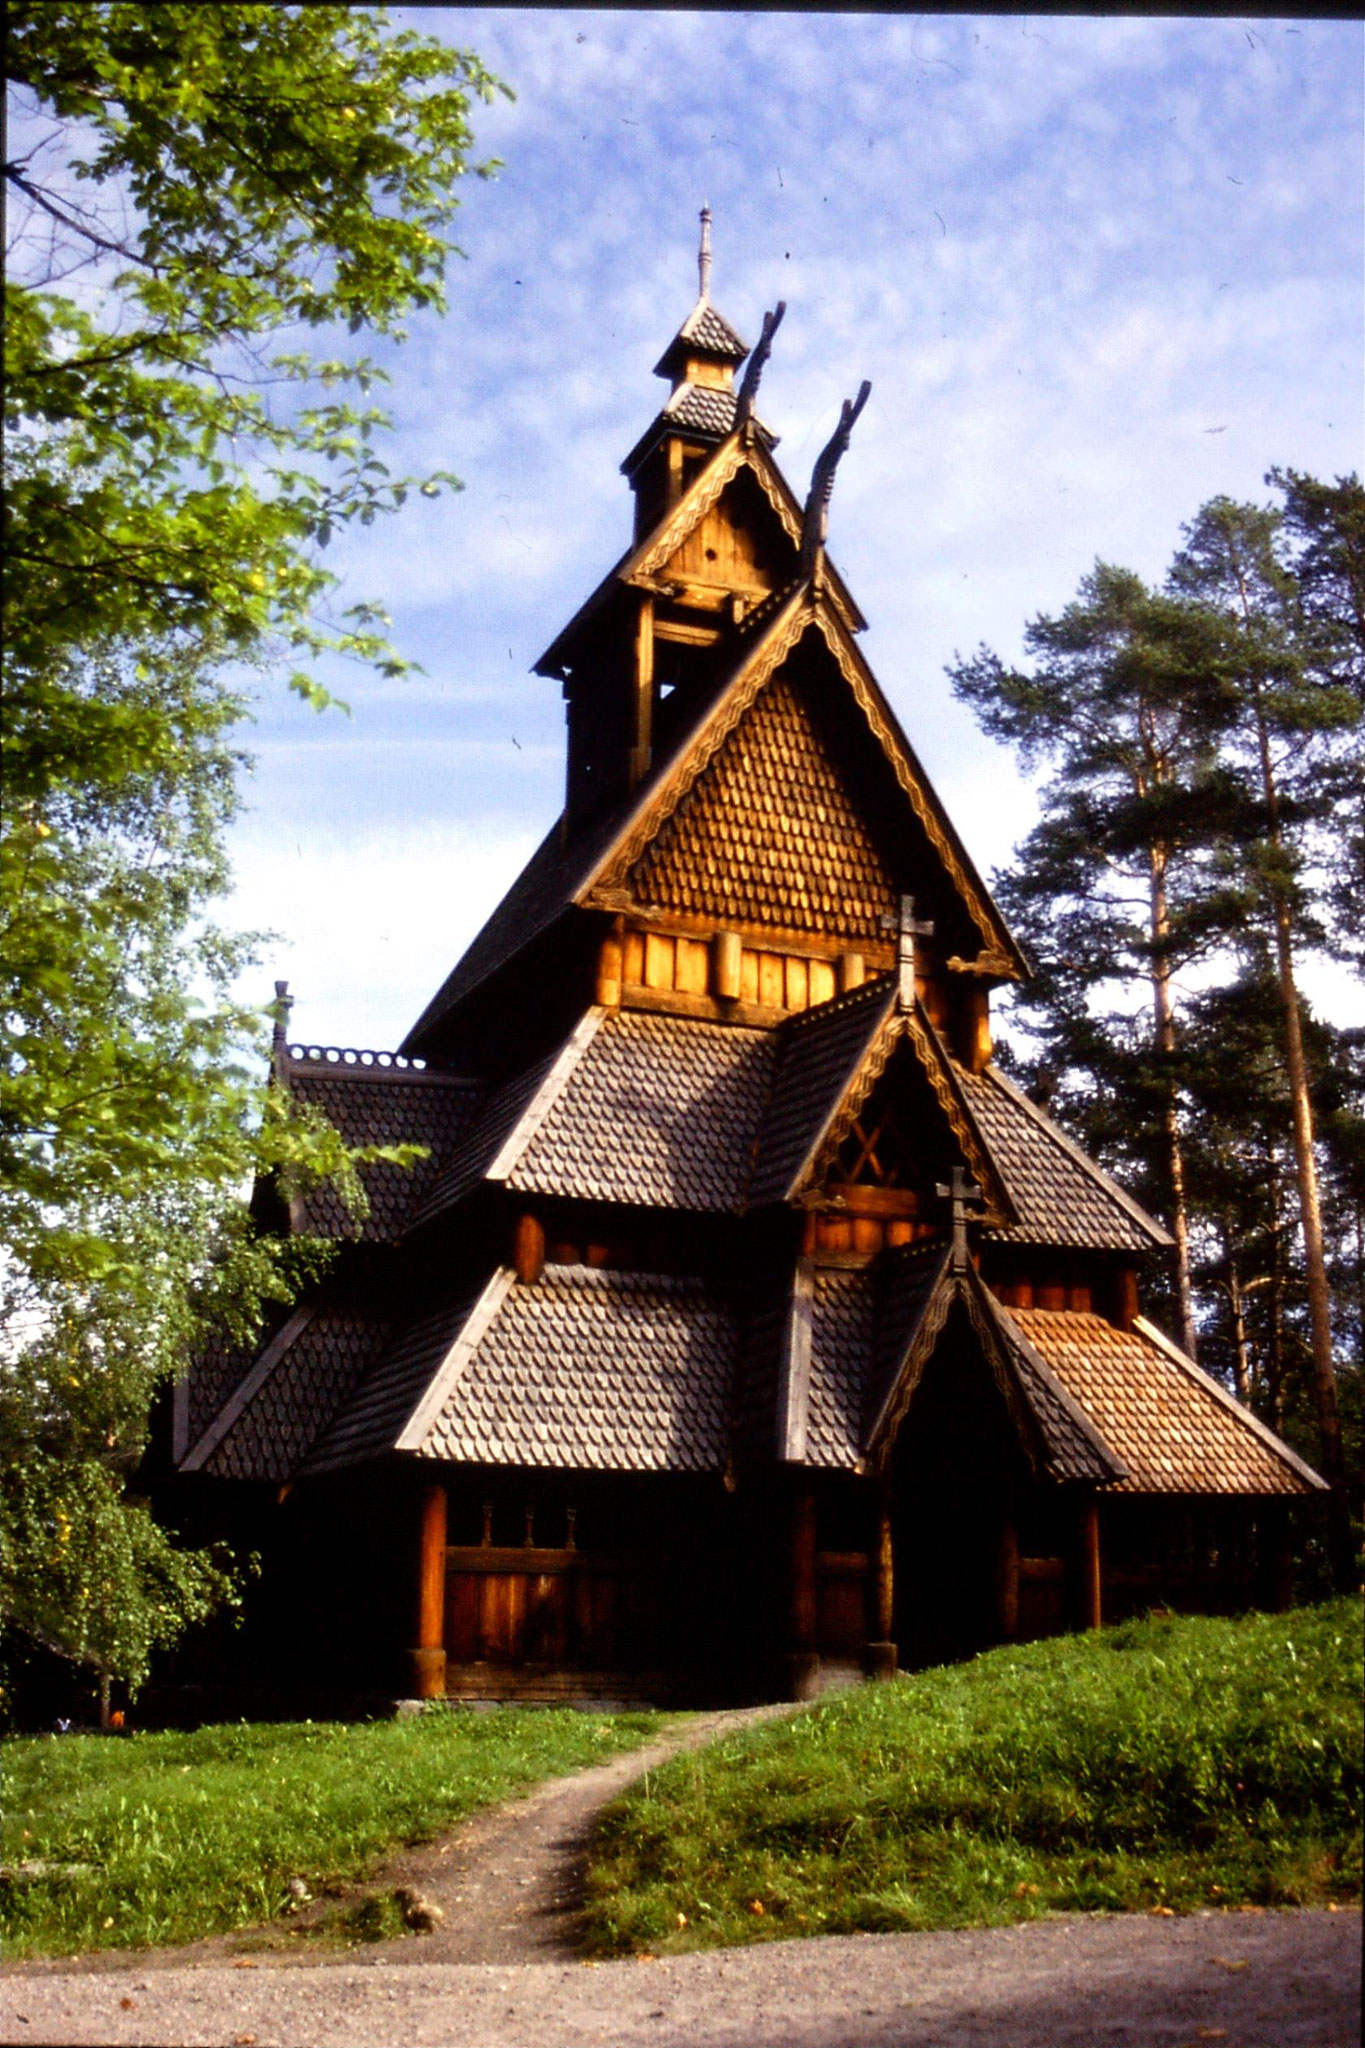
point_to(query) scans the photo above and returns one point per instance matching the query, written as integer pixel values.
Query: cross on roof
(907, 928)
(959, 1194)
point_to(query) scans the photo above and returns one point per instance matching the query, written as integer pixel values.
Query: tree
(207, 182)
(1285, 703)
(1109, 888)
(195, 194)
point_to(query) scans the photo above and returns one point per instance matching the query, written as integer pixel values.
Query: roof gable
(644, 565)
(803, 740)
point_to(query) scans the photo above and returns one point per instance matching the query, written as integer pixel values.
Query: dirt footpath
(1274, 1980)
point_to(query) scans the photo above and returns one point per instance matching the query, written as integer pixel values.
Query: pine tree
(1111, 891)
(1281, 704)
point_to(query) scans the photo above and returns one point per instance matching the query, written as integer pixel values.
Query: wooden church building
(743, 1319)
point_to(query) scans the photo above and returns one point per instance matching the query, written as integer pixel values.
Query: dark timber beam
(429, 1657)
(879, 1656)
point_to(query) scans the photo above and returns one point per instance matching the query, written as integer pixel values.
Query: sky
(1098, 271)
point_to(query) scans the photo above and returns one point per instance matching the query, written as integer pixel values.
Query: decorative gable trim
(803, 609)
(640, 566)
(248, 1390)
(914, 1027)
(1162, 1343)
(447, 1375)
(907, 1375)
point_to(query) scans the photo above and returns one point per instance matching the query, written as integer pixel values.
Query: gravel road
(1273, 1980)
(500, 1969)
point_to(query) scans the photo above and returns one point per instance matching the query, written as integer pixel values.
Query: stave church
(742, 1328)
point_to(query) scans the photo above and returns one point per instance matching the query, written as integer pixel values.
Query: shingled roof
(295, 1387)
(658, 1110)
(1061, 1197)
(817, 1052)
(1176, 1430)
(705, 332)
(376, 1098)
(594, 1370)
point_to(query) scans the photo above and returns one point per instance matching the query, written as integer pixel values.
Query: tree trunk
(1170, 1112)
(1241, 1367)
(1306, 1173)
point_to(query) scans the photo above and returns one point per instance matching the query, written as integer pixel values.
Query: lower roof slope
(1175, 1429)
(589, 1369)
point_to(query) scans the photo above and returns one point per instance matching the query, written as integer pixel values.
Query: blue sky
(1098, 270)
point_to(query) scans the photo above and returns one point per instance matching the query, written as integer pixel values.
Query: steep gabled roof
(806, 612)
(819, 1053)
(830, 1060)
(1060, 1440)
(644, 562)
(1060, 1195)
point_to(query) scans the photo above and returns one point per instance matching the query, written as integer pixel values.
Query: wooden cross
(959, 1194)
(907, 928)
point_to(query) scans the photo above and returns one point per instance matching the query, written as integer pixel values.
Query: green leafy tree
(197, 196)
(213, 187)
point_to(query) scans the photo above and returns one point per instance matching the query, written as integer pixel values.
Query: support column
(429, 1657)
(1277, 1540)
(1007, 1581)
(1090, 1563)
(879, 1654)
(802, 1661)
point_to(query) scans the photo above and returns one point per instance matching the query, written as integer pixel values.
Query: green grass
(169, 1837)
(1167, 1764)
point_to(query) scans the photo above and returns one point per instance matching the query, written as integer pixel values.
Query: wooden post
(1090, 1562)
(528, 1254)
(1277, 1544)
(979, 1031)
(726, 955)
(802, 1660)
(850, 972)
(611, 966)
(429, 1657)
(1007, 1580)
(642, 734)
(879, 1655)
(1126, 1288)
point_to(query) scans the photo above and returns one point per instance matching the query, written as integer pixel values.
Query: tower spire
(704, 254)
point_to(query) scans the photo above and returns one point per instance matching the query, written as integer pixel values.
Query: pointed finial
(816, 523)
(704, 253)
(748, 390)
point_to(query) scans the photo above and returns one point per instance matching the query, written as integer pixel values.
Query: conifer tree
(1111, 891)
(1282, 706)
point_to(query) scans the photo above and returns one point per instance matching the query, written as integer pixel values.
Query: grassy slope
(1167, 1763)
(185, 1835)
